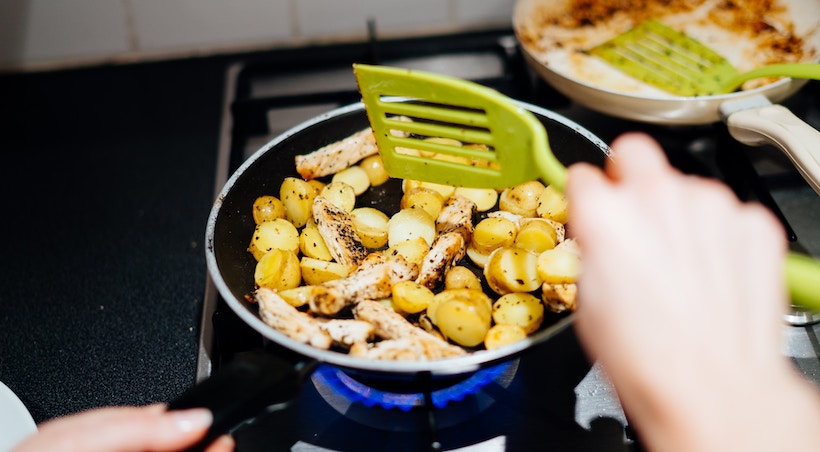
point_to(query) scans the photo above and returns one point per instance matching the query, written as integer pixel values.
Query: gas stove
(551, 396)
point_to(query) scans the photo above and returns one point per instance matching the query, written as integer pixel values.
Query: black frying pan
(231, 266)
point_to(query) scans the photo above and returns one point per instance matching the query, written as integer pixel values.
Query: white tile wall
(471, 11)
(51, 30)
(37, 34)
(178, 24)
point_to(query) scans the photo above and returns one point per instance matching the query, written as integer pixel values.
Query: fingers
(636, 157)
(224, 443)
(122, 429)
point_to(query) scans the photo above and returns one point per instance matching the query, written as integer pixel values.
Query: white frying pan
(750, 114)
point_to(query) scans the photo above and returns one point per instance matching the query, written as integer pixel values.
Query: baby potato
(560, 228)
(267, 208)
(463, 316)
(536, 236)
(297, 196)
(522, 198)
(553, 205)
(503, 334)
(512, 270)
(278, 269)
(411, 223)
(460, 277)
(443, 140)
(483, 198)
(315, 271)
(558, 266)
(340, 194)
(355, 176)
(481, 162)
(493, 232)
(371, 226)
(413, 250)
(451, 294)
(477, 257)
(297, 296)
(426, 198)
(411, 297)
(373, 166)
(445, 190)
(274, 234)
(522, 309)
(312, 244)
(317, 185)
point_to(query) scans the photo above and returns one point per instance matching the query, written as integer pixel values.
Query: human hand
(681, 300)
(120, 429)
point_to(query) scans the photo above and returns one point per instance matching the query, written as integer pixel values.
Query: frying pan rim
(663, 110)
(450, 366)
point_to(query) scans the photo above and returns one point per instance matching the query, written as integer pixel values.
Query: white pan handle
(777, 125)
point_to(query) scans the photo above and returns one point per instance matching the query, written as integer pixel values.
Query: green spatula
(512, 143)
(673, 61)
(515, 147)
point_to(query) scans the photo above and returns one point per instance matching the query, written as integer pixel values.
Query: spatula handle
(809, 71)
(803, 280)
(775, 124)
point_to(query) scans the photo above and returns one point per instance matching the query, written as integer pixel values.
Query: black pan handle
(253, 383)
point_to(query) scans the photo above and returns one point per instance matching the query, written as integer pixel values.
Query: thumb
(122, 429)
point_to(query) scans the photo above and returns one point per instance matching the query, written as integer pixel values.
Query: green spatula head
(451, 131)
(674, 62)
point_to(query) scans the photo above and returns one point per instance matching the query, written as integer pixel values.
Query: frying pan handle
(777, 125)
(253, 383)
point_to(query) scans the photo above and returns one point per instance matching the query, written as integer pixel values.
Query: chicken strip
(454, 228)
(337, 156)
(391, 325)
(337, 230)
(341, 154)
(559, 297)
(447, 250)
(406, 349)
(372, 280)
(456, 216)
(348, 331)
(295, 324)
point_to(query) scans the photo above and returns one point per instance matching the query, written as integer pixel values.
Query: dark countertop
(107, 181)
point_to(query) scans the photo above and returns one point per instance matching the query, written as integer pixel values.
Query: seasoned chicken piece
(569, 245)
(289, 321)
(456, 216)
(391, 325)
(514, 217)
(348, 331)
(372, 280)
(341, 154)
(447, 250)
(454, 228)
(337, 156)
(336, 228)
(406, 349)
(559, 297)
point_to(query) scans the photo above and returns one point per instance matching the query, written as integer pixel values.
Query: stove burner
(355, 391)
